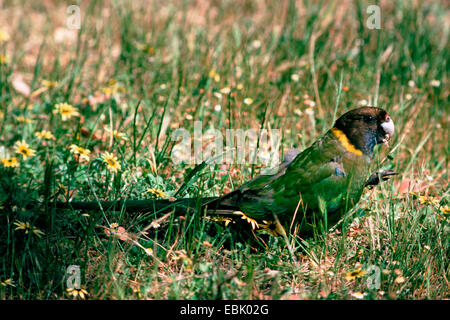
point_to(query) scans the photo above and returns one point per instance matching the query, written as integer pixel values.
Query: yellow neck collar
(345, 142)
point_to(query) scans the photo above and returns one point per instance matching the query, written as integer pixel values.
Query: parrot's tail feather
(136, 205)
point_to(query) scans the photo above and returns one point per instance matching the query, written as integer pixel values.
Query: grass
(146, 69)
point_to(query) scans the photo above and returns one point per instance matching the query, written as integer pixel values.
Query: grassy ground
(148, 68)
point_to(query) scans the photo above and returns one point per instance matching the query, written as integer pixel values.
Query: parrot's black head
(365, 128)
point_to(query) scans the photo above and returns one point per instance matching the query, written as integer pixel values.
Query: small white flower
(256, 44)
(295, 77)
(264, 155)
(359, 295)
(411, 83)
(435, 83)
(148, 251)
(309, 111)
(225, 90)
(248, 101)
(155, 225)
(217, 107)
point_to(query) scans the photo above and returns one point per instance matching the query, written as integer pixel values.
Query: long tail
(136, 205)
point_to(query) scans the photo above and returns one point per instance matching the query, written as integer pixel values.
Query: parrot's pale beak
(388, 127)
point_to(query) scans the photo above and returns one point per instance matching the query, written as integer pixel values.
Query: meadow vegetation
(88, 114)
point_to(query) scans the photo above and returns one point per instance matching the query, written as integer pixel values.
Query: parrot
(326, 178)
(322, 182)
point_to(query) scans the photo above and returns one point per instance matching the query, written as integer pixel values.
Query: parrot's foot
(377, 177)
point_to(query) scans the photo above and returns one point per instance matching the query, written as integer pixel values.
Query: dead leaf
(20, 86)
(407, 185)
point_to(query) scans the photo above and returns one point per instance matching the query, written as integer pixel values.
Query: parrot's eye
(369, 119)
(388, 118)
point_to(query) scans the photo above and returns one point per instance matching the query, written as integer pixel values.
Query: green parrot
(325, 180)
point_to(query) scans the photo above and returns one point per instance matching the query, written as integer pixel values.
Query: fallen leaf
(407, 185)
(20, 86)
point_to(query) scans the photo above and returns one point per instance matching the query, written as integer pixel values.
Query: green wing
(320, 171)
(315, 172)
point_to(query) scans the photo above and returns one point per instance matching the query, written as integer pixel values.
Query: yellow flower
(82, 152)
(38, 232)
(10, 162)
(158, 193)
(399, 279)
(27, 227)
(46, 85)
(81, 292)
(24, 120)
(24, 106)
(145, 48)
(248, 219)
(4, 59)
(354, 274)
(7, 282)
(116, 134)
(114, 225)
(4, 36)
(112, 163)
(50, 84)
(213, 74)
(445, 209)
(109, 90)
(113, 87)
(225, 90)
(45, 135)
(428, 200)
(273, 228)
(66, 111)
(227, 220)
(23, 148)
